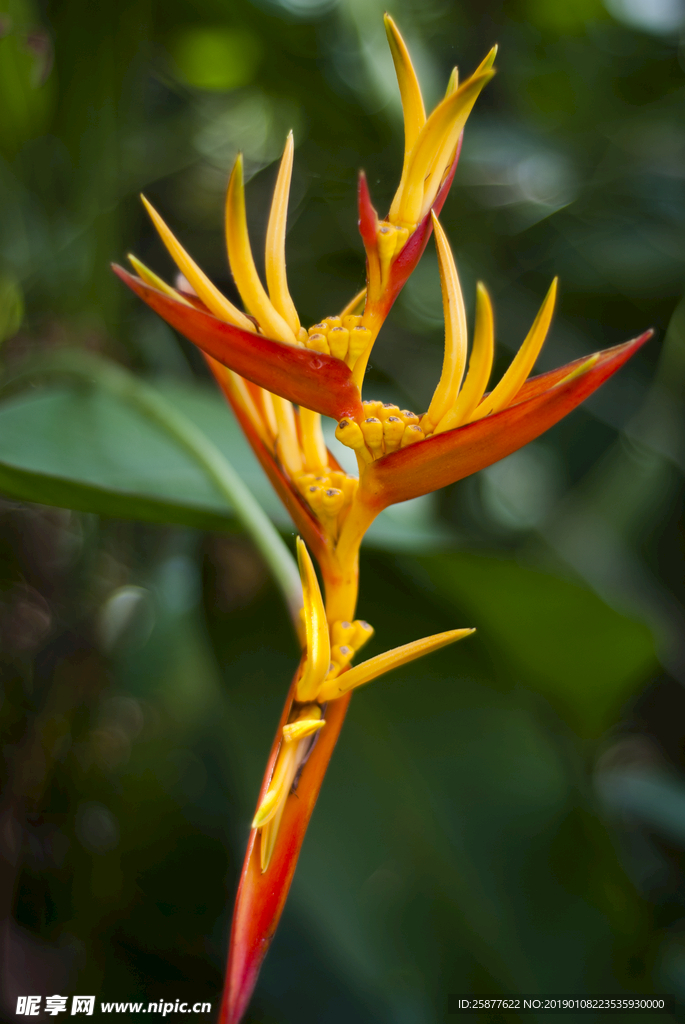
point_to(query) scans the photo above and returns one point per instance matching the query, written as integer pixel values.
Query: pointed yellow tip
(300, 730)
(551, 296)
(489, 60)
(382, 663)
(236, 178)
(267, 808)
(524, 360)
(579, 370)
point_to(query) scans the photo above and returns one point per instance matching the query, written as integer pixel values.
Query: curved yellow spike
(242, 264)
(287, 443)
(439, 135)
(410, 90)
(383, 663)
(453, 83)
(316, 626)
(149, 276)
(480, 365)
(269, 412)
(413, 110)
(454, 361)
(522, 363)
(488, 61)
(282, 780)
(290, 756)
(210, 295)
(445, 155)
(276, 279)
(313, 443)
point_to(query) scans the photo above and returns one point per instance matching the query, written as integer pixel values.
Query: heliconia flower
(280, 378)
(307, 732)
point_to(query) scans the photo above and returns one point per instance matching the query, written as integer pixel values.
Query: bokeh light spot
(218, 59)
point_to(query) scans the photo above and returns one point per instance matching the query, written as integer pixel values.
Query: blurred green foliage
(459, 844)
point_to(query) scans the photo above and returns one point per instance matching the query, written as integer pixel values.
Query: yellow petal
(290, 756)
(211, 296)
(444, 157)
(242, 264)
(284, 773)
(147, 275)
(413, 109)
(522, 363)
(383, 663)
(287, 443)
(487, 63)
(316, 626)
(480, 365)
(410, 90)
(276, 278)
(454, 361)
(269, 412)
(313, 444)
(439, 135)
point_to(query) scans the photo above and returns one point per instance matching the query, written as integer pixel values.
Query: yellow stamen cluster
(329, 496)
(347, 638)
(343, 337)
(384, 429)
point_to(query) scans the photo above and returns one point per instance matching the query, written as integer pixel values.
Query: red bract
(262, 895)
(311, 379)
(444, 458)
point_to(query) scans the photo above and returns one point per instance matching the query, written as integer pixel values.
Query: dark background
(507, 816)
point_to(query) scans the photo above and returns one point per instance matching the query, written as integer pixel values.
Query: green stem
(123, 385)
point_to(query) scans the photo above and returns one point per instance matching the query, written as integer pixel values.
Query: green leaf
(561, 639)
(77, 445)
(11, 306)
